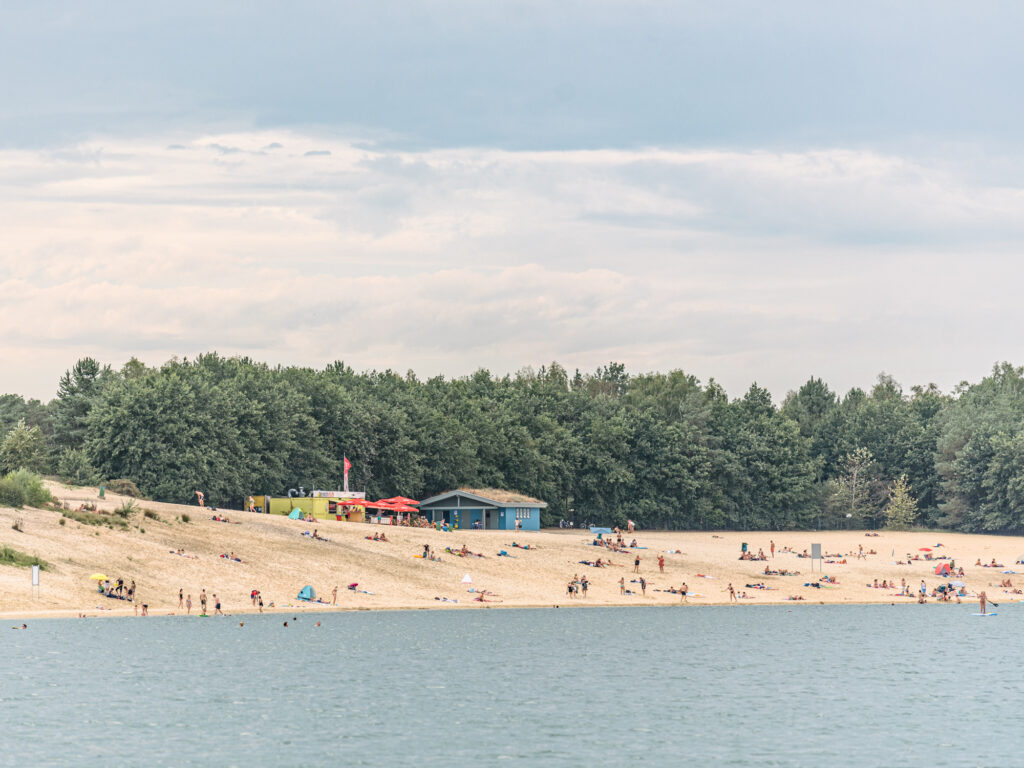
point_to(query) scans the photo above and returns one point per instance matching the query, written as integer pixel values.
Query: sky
(747, 191)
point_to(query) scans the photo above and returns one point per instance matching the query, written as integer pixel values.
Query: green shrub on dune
(23, 489)
(124, 487)
(11, 556)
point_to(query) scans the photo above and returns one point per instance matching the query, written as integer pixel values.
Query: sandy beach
(278, 560)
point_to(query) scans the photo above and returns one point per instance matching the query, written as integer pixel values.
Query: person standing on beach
(924, 589)
(661, 563)
(334, 595)
(216, 606)
(131, 591)
(771, 545)
(622, 585)
(188, 605)
(682, 592)
(202, 601)
(636, 565)
(181, 597)
(732, 593)
(643, 586)
(202, 498)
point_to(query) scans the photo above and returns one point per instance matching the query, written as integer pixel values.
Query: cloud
(741, 265)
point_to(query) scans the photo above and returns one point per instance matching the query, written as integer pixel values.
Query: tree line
(662, 449)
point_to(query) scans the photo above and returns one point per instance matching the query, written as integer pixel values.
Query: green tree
(73, 466)
(901, 508)
(77, 391)
(23, 448)
(852, 491)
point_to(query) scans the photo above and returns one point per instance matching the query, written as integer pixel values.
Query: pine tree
(901, 509)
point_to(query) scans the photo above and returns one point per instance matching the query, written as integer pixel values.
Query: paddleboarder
(982, 601)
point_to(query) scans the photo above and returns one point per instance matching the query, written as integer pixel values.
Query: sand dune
(279, 561)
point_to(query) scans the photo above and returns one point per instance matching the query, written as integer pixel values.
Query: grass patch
(92, 518)
(185, 518)
(11, 556)
(151, 514)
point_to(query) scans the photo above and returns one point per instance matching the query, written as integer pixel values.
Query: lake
(733, 686)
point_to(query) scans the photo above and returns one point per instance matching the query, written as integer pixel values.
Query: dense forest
(662, 449)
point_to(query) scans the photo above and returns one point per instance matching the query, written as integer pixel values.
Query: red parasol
(403, 508)
(401, 500)
(924, 549)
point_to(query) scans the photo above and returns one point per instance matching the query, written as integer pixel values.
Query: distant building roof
(494, 497)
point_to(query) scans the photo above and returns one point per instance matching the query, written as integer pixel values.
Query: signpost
(35, 579)
(816, 555)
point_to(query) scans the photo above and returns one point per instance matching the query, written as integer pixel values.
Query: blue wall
(506, 517)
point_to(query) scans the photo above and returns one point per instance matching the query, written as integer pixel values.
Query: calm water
(746, 686)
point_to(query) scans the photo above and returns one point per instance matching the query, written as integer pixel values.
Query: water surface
(731, 686)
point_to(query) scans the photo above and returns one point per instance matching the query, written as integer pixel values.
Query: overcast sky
(746, 191)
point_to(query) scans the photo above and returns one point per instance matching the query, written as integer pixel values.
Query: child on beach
(188, 605)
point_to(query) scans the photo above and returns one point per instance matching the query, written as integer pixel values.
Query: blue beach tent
(307, 593)
(296, 514)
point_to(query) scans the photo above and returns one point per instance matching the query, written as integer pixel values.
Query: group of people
(577, 586)
(186, 603)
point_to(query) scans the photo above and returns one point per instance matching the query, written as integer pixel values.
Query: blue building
(487, 508)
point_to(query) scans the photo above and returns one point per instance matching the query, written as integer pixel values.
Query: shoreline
(63, 613)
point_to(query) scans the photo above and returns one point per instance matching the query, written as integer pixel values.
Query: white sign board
(35, 575)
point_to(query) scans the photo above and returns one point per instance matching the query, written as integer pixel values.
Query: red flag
(348, 466)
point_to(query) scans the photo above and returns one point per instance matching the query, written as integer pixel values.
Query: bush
(73, 467)
(62, 521)
(11, 494)
(126, 509)
(23, 488)
(124, 487)
(150, 514)
(11, 556)
(185, 518)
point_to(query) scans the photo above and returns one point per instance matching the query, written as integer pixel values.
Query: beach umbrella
(924, 549)
(957, 584)
(98, 577)
(466, 579)
(401, 500)
(403, 508)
